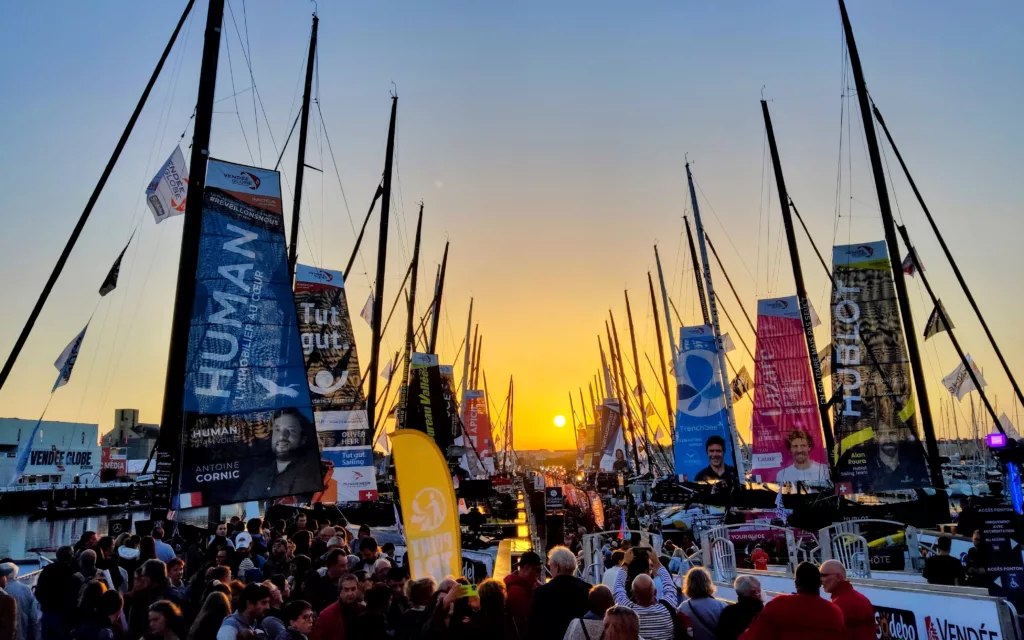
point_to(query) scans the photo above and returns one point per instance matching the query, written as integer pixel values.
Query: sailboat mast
(892, 243)
(732, 288)
(624, 406)
(362, 230)
(604, 363)
(465, 362)
(410, 336)
(713, 309)
(696, 265)
(639, 385)
(668, 315)
(97, 190)
(437, 302)
(801, 292)
(583, 409)
(572, 412)
(476, 365)
(172, 416)
(670, 419)
(382, 253)
(300, 169)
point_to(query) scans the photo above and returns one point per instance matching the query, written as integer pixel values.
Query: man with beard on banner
(292, 464)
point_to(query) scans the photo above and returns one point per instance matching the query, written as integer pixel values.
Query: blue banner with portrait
(249, 431)
(703, 447)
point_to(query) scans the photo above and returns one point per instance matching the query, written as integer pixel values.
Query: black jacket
(735, 618)
(555, 605)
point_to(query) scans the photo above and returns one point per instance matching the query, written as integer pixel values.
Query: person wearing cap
(28, 606)
(520, 585)
(8, 607)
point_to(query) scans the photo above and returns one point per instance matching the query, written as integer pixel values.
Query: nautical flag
(110, 282)
(622, 526)
(727, 343)
(741, 384)
(959, 382)
(659, 434)
(1011, 431)
(398, 521)
(388, 370)
(780, 510)
(650, 409)
(909, 267)
(825, 358)
(638, 390)
(66, 362)
(815, 320)
(166, 192)
(382, 442)
(938, 321)
(367, 312)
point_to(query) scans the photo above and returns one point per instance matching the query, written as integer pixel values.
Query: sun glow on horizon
(559, 421)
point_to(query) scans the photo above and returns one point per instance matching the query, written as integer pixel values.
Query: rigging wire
(231, 75)
(252, 81)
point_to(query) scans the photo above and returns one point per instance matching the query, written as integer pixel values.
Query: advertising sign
(115, 458)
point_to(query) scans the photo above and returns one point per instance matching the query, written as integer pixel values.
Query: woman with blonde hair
(621, 623)
(216, 607)
(702, 607)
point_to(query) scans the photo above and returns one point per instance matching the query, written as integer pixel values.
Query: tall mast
(801, 292)
(300, 169)
(726, 390)
(172, 416)
(410, 336)
(97, 190)
(382, 253)
(668, 316)
(465, 362)
(728, 281)
(437, 302)
(693, 258)
(604, 363)
(362, 230)
(639, 385)
(572, 411)
(892, 243)
(472, 357)
(593, 401)
(624, 405)
(476, 365)
(664, 372)
(949, 257)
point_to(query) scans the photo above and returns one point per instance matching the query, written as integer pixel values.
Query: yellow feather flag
(431, 515)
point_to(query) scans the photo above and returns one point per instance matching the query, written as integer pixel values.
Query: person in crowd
(520, 586)
(164, 551)
(621, 623)
(128, 557)
(245, 621)
(494, 620)
(327, 588)
(8, 609)
(28, 607)
(339, 619)
(858, 613)
(368, 554)
(107, 621)
(236, 586)
(272, 623)
(254, 527)
(976, 561)
(612, 572)
(420, 593)
(942, 568)
(387, 550)
(380, 570)
(302, 540)
(219, 538)
(591, 625)
(149, 586)
(277, 563)
(164, 621)
(216, 608)
(396, 580)
(249, 560)
(702, 607)
(176, 579)
(372, 623)
(563, 598)
(657, 619)
(87, 567)
(804, 615)
(736, 617)
(299, 524)
(106, 560)
(88, 540)
(56, 587)
(85, 606)
(299, 616)
(364, 532)
(147, 549)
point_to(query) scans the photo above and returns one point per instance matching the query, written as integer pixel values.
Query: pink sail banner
(786, 427)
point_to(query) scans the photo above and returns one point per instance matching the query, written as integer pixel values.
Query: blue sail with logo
(703, 447)
(248, 431)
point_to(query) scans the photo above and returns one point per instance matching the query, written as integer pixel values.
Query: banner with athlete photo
(335, 387)
(703, 448)
(874, 413)
(248, 431)
(610, 448)
(786, 424)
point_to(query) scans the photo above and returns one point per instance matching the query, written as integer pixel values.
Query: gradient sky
(548, 143)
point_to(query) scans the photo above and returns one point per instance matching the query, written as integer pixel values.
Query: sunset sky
(548, 142)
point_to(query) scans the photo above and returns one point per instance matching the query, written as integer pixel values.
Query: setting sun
(559, 421)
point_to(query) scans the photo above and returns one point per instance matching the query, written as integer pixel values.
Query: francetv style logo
(242, 179)
(864, 252)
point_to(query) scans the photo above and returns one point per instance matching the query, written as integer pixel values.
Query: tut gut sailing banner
(786, 424)
(335, 387)
(478, 428)
(429, 508)
(875, 426)
(610, 445)
(430, 400)
(703, 443)
(248, 423)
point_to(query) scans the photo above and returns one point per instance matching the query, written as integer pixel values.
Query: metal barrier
(723, 560)
(708, 539)
(843, 541)
(592, 567)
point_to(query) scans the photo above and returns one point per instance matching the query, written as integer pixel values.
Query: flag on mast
(727, 343)
(908, 265)
(367, 312)
(66, 361)
(938, 321)
(165, 194)
(959, 382)
(388, 370)
(110, 282)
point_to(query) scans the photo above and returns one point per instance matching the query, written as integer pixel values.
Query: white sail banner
(66, 361)
(165, 194)
(959, 382)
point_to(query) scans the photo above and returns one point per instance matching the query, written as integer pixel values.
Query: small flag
(825, 358)
(382, 442)
(638, 390)
(110, 282)
(938, 321)
(727, 343)
(66, 362)
(1011, 431)
(463, 509)
(909, 267)
(650, 409)
(741, 384)
(815, 320)
(188, 500)
(659, 434)
(780, 510)
(622, 526)
(367, 312)
(398, 521)
(959, 382)
(388, 370)
(166, 192)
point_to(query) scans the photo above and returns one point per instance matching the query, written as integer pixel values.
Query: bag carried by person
(682, 626)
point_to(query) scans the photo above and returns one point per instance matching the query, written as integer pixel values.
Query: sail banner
(65, 362)
(165, 194)
(432, 534)
(478, 428)
(959, 382)
(428, 406)
(588, 446)
(875, 427)
(938, 321)
(703, 448)
(610, 445)
(110, 282)
(785, 426)
(248, 430)
(335, 387)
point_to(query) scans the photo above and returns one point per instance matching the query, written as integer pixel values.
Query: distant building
(62, 452)
(138, 438)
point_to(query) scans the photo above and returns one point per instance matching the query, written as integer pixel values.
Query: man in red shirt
(519, 586)
(760, 559)
(803, 615)
(857, 610)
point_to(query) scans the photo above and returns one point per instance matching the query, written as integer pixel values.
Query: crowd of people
(302, 580)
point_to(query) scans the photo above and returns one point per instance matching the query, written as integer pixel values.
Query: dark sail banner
(875, 426)
(335, 387)
(609, 446)
(430, 400)
(248, 423)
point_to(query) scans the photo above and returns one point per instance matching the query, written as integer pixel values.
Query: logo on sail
(428, 510)
(699, 393)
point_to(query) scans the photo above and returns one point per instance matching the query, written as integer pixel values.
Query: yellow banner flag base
(432, 533)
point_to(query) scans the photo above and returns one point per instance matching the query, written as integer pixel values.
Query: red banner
(115, 458)
(478, 428)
